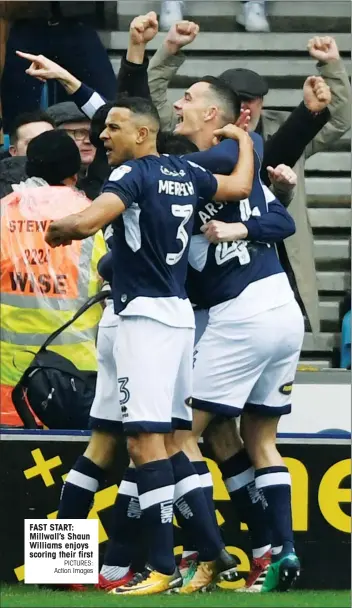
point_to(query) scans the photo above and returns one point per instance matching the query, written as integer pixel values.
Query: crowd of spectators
(54, 42)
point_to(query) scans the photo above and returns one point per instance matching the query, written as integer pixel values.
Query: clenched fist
(323, 48)
(144, 28)
(316, 94)
(218, 232)
(283, 177)
(179, 35)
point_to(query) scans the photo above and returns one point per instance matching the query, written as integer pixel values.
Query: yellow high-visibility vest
(41, 288)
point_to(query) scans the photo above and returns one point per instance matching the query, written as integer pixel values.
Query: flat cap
(245, 83)
(65, 111)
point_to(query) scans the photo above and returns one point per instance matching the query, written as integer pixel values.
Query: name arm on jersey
(104, 210)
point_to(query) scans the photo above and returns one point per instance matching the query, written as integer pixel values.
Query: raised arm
(164, 65)
(44, 69)
(133, 76)
(288, 144)
(331, 68)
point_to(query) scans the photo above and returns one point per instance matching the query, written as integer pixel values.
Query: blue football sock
(156, 486)
(249, 502)
(206, 482)
(78, 491)
(275, 483)
(192, 511)
(126, 530)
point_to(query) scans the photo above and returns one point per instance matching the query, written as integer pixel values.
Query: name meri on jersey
(175, 188)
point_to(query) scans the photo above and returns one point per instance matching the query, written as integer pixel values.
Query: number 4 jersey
(223, 272)
(151, 238)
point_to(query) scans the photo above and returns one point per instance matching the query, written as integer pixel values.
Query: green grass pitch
(30, 596)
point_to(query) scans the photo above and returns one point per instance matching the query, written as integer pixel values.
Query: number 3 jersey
(151, 238)
(222, 272)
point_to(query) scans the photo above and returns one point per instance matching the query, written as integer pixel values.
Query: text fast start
(53, 527)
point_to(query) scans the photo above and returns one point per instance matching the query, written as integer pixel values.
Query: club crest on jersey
(170, 173)
(119, 173)
(286, 389)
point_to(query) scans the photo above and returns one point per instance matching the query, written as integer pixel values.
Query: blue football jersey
(218, 273)
(151, 239)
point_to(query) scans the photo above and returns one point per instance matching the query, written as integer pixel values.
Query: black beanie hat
(53, 156)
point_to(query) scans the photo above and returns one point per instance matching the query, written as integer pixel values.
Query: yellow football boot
(149, 582)
(203, 576)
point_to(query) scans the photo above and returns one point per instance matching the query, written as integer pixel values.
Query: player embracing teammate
(167, 212)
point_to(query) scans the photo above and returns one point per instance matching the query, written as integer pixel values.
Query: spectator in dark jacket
(59, 29)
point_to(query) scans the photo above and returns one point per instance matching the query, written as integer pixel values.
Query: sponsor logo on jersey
(286, 389)
(118, 173)
(170, 173)
(175, 188)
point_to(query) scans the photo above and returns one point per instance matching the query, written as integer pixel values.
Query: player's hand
(282, 177)
(56, 235)
(231, 132)
(144, 28)
(218, 232)
(244, 120)
(43, 68)
(323, 48)
(179, 35)
(316, 94)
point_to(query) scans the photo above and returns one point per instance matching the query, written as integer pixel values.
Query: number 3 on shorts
(124, 392)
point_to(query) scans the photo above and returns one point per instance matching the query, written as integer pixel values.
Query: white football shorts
(249, 364)
(154, 363)
(105, 413)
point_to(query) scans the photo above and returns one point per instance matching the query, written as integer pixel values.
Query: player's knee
(264, 454)
(146, 447)
(224, 439)
(189, 446)
(175, 442)
(259, 434)
(200, 422)
(102, 449)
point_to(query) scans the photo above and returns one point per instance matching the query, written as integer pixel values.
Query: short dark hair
(25, 119)
(168, 143)
(139, 106)
(97, 125)
(229, 100)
